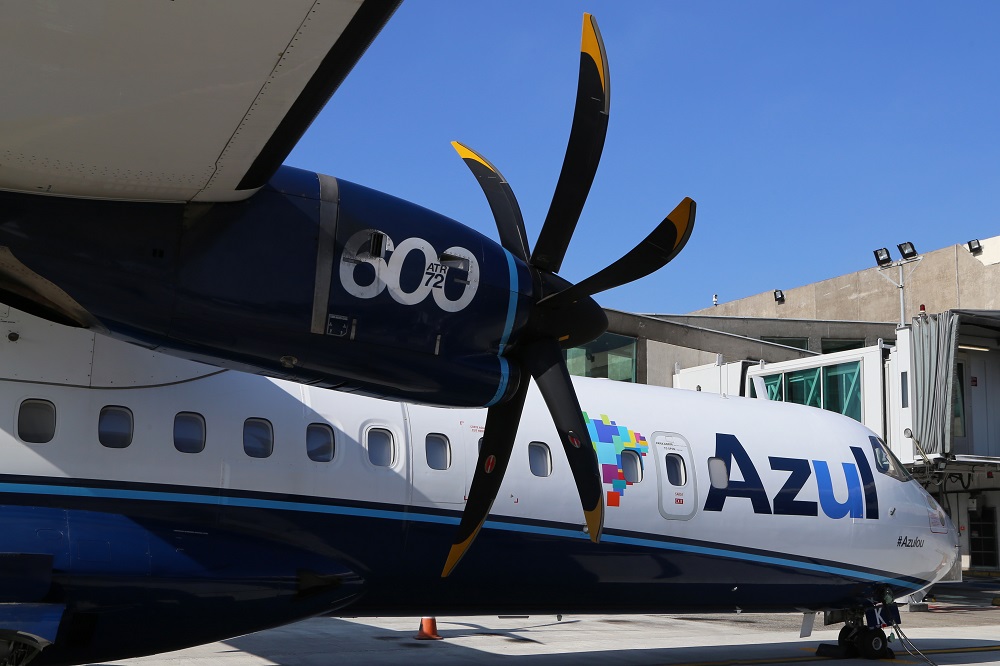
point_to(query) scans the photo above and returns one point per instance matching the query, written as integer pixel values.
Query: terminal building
(910, 347)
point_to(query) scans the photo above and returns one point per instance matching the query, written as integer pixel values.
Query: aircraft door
(439, 457)
(675, 476)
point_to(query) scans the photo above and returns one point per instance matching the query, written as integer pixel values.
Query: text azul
(861, 502)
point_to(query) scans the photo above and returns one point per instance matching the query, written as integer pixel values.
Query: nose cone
(946, 543)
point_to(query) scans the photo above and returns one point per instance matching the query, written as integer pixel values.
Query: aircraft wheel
(848, 640)
(871, 643)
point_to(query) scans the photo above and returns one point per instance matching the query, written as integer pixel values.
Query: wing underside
(168, 101)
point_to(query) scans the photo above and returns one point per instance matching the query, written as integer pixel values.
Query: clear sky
(809, 133)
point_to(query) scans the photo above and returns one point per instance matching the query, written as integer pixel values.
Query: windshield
(887, 463)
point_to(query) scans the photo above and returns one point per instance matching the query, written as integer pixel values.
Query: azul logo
(388, 269)
(861, 502)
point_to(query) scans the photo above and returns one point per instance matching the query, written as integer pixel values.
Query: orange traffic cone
(428, 630)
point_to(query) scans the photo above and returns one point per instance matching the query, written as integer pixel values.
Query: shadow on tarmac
(322, 641)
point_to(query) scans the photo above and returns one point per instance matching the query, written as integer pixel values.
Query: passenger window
(189, 432)
(631, 466)
(36, 421)
(258, 438)
(676, 471)
(540, 459)
(320, 442)
(381, 447)
(438, 450)
(718, 474)
(114, 427)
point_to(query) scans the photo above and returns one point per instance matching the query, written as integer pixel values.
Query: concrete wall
(944, 279)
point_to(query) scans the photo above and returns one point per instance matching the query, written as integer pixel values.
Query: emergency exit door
(675, 476)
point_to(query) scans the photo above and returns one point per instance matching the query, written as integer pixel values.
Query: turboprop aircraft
(152, 502)
(149, 503)
(141, 148)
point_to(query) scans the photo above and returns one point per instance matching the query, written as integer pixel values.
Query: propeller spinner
(565, 315)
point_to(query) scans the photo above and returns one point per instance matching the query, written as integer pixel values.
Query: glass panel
(774, 387)
(36, 421)
(381, 447)
(803, 387)
(831, 345)
(189, 432)
(631, 466)
(886, 462)
(842, 389)
(676, 470)
(610, 356)
(798, 343)
(438, 450)
(114, 427)
(320, 442)
(539, 459)
(718, 475)
(958, 402)
(258, 438)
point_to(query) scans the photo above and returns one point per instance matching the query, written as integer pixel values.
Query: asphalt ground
(961, 626)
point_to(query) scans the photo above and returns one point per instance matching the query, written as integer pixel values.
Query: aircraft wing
(168, 101)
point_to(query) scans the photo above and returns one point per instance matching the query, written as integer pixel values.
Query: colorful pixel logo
(610, 439)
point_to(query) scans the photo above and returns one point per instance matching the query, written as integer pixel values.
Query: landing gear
(871, 643)
(14, 652)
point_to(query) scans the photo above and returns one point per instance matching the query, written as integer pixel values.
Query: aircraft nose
(946, 536)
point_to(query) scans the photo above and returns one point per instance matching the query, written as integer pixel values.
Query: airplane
(151, 503)
(144, 209)
(142, 195)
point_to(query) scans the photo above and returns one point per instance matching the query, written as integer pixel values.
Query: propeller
(564, 315)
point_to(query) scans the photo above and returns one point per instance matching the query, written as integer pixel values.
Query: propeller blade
(544, 360)
(498, 442)
(501, 198)
(583, 152)
(653, 253)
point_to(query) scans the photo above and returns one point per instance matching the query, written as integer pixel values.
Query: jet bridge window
(631, 466)
(321, 445)
(36, 421)
(540, 459)
(189, 432)
(381, 447)
(438, 450)
(258, 438)
(114, 427)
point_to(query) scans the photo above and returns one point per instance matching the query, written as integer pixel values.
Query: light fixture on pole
(884, 261)
(907, 251)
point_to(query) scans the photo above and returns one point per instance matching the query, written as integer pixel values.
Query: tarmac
(961, 626)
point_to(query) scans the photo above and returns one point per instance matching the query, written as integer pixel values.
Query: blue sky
(809, 133)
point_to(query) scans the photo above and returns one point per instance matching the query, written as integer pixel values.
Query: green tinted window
(774, 388)
(842, 389)
(803, 387)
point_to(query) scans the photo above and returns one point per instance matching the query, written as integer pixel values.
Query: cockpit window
(887, 463)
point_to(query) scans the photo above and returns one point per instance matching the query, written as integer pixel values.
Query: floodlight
(907, 251)
(882, 257)
(779, 296)
(975, 247)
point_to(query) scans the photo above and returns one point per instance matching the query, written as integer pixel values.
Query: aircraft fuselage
(223, 508)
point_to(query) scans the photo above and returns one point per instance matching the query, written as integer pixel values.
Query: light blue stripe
(285, 505)
(507, 330)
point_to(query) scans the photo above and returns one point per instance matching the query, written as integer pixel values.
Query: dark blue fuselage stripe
(507, 329)
(410, 515)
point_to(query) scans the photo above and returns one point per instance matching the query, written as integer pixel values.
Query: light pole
(884, 260)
